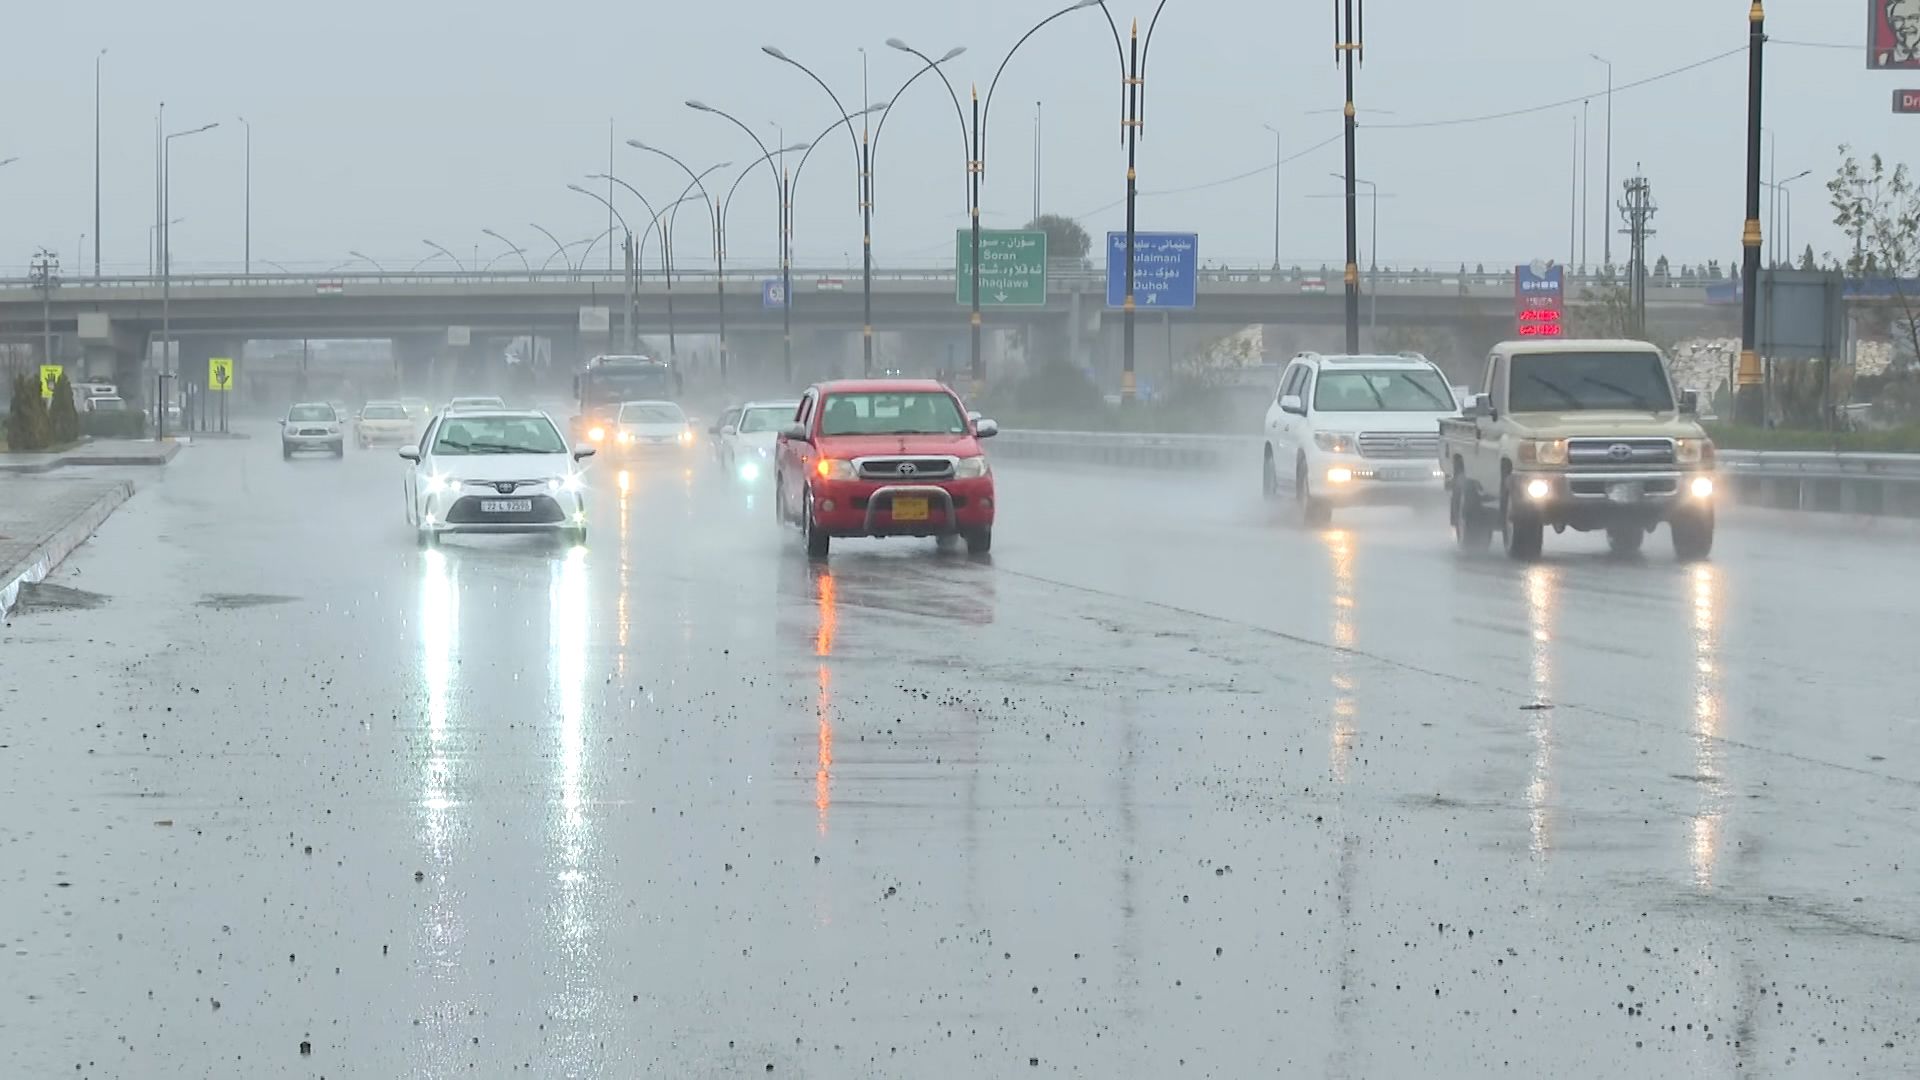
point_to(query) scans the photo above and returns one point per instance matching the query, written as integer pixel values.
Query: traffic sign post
(220, 381)
(773, 294)
(1166, 270)
(49, 377)
(1013, 267)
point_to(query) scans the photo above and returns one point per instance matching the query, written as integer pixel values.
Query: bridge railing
(1852, 483)
(817, 278)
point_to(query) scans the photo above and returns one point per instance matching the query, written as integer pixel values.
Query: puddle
(46, 597)
(236, 601)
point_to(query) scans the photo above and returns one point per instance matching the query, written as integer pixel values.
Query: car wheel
(1471, 529)
(576, 536)
(286, 452)
(1626, 539)
(817, 541)
(1269, 477)
(1314, 512)
(427, 538)
(980, 540)
(340, 449)
(779, 503)
(1520, 532)
(1692, 535)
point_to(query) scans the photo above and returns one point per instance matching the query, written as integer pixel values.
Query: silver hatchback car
(312, 426)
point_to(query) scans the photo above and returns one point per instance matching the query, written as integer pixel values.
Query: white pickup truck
(1584, 435)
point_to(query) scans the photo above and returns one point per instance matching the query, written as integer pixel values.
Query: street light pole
(632, 275)
(1133, 92)
(977, 164)
(1748, 404)
(1786, 196)
(780, 189)
(719, 265)
(1606, 202)
(96, 162)
(1276, 193)
(558, 248)
(862, 166)
(1348, 47)
(166, 271)
(726, 205)
(249, 196)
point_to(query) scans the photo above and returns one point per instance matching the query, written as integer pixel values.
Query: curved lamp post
(633, 281)
(975, 134)
(719, 259)
(784, 235)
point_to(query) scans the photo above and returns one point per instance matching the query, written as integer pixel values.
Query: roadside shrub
(63, 420)
(27, 426)
(129, 424)
(1902, 440)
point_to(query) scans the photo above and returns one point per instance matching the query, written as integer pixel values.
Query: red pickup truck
(884, 457)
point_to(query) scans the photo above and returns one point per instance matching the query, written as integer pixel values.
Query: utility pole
(1637, 209)
(1348, 38)
(45, 272)
(1606, 235)
(1747, 400)
(1276, 193)
(96, 162)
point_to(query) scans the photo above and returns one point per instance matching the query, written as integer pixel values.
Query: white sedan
(499, 471)
(744, 440)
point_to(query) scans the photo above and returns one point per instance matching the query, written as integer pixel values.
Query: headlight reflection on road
(625, 483)
(829, 618)
(1542, 591)
(442, 930)
(1704, 829)
(1339, 544)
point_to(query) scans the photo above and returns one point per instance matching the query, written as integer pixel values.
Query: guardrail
(1847, 483)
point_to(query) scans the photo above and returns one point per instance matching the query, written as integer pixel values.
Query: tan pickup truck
(1579, 434)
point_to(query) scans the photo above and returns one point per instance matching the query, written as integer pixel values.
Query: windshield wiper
(1377, 399)
(1638, 401)
(1555, 388)
(1429, 395)
(503, 448)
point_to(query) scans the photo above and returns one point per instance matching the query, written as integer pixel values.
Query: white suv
(1356, 431)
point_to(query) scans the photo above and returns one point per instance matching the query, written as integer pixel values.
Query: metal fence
(1848, 483)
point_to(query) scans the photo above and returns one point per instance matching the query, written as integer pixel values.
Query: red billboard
(1893, 34)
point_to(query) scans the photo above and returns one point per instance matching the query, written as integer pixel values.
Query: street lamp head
(1086, 4)
(638, 145)
(8, 161)
(953, 52)
(581, 190)
(796, 148)
(775, 53)
(896, 43)
(696, 103)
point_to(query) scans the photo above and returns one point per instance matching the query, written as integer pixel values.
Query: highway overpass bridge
(433, 316)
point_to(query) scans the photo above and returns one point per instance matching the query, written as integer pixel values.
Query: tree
(27, 417)
(1713, 269)
(63, 420)
(1879, 210)
(1066, 238)
(1807, 261)
(1662, 268)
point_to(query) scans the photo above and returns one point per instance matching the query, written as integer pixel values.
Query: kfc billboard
(1893, 34)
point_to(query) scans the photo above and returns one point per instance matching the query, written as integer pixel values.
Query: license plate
(1404, 474)
(1624, 493)
(910, 509)
(506, 506)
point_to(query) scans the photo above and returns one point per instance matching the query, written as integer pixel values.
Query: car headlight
(437, 484)
(624, 438)
(597, 433)
(763, 451)
(568, 483)
(749, 471)
(1543, 451)
(1693, 451)
(971, 468)
(686, 438)
(1333, 442)
(833, 469)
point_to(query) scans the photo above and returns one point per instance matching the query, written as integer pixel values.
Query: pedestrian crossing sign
(49, 375)
(219, 373)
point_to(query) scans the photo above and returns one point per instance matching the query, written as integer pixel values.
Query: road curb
(50, 553)
(78, 459)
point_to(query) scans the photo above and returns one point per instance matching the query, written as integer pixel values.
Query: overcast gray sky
(378, 124)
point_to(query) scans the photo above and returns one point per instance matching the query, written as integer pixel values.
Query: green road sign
(1013, 267)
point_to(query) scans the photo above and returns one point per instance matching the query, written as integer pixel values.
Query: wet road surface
(1166, 787)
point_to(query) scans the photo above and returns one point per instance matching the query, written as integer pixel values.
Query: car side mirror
(410, 453)
(1480, 406)
(975, 417)
(985, 429)
(729, 430)
(1291, 403)
(1690, 402)
(795, 432)
(581, 453)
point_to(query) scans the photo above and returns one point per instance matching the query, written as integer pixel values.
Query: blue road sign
(773, 294)
(1166, 269)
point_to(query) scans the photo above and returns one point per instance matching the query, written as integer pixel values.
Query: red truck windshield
(892, 414)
